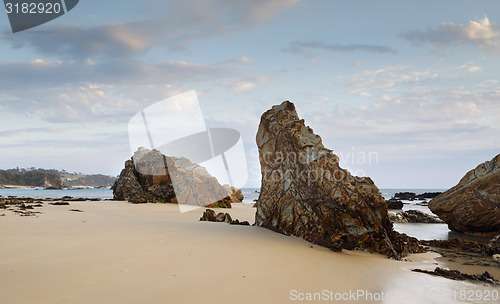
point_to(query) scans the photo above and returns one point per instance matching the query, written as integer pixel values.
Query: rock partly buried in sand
(305, 193)
(210, 216)
(147, 178)
(413, 216)
(473, 205)
(460, 276)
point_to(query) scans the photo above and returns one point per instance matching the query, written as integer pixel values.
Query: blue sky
(414, 85)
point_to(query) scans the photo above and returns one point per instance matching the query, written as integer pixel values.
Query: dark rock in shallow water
(458, 245)
(459, 276)
(473, 205)
(305, 193)
(414, 216)
(426, 195)
(394, 204)
(407, 196)
(147, 178)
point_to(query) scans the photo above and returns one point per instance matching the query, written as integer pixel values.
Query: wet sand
(115, 252)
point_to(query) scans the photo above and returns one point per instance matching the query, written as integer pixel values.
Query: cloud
(239, 87)
(383, 78)
(67, 41)
(359, 64)
(470, 67)
(64, 91)
(246, 85)
(173, 26)
(482, 33)
(304, 48)
(257, 10)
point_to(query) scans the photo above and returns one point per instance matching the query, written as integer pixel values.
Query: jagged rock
(473, 205)
(147, 178)
(234, 194)
(459, 276)
(305, 193)
(493, 246)
(413, 216)
(60, 204)
(210, 216)
(394, 204)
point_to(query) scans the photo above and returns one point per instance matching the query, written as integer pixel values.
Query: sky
(407, 93)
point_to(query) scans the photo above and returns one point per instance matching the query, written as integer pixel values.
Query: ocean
(420, 231)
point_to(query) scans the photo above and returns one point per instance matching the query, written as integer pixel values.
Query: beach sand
(116, 252)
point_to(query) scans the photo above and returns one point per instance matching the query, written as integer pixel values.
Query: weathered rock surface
(460, 276)
(147, 178)
(413, 216)
(305, 193)
(493, 246)
(458, 245)
(210, 216)
(473, 205)
(394, 204)
(234, 194)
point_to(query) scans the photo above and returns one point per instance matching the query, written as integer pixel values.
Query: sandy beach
(116, 252)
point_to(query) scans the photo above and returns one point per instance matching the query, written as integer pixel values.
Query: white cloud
(482, 33)
(239, 87)
(470, 67)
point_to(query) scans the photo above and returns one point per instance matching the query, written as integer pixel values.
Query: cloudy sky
(407, 93)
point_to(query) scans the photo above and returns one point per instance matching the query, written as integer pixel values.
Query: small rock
(59, 203)
(210, 216)
(493, 246)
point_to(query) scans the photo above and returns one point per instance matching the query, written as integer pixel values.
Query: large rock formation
(148, 176)
(473, 205)
(305, 193)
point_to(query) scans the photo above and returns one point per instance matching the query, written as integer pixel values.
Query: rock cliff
(306, 193)
(473, 205)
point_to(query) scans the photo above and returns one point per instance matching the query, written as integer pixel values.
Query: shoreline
(114, 251)
(19, 187)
